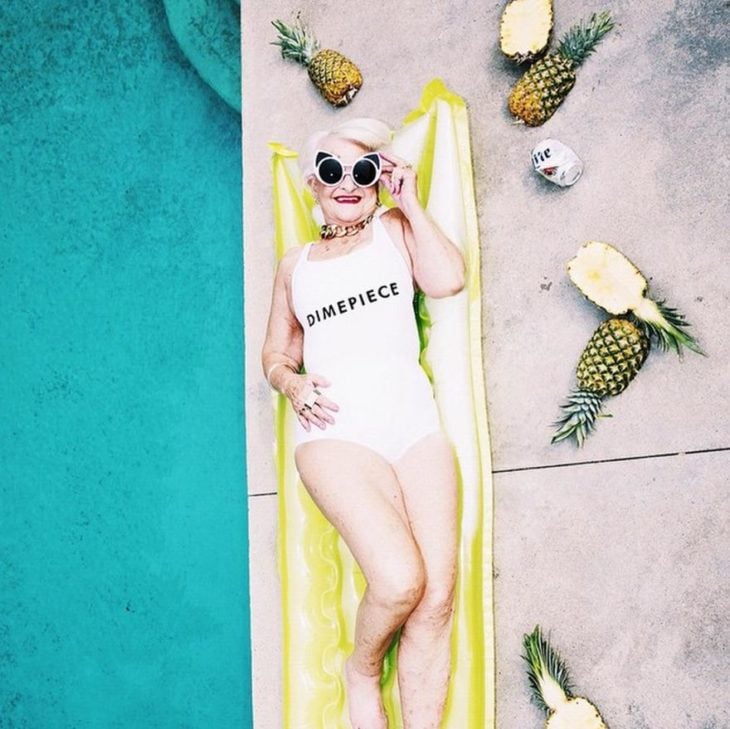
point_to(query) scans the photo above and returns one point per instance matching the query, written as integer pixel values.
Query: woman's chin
(346, 214)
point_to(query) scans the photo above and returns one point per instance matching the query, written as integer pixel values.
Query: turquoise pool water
(123, 565)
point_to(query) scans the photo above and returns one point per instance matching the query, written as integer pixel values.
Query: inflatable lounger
(321, 583)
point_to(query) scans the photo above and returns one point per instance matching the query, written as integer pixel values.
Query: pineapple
(547, 82)
(612, 358)
(524, 31)
(337, 78)
(550, 686)
(610, 280)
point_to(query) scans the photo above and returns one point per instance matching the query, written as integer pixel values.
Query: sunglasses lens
(365, 172)
(330, 171)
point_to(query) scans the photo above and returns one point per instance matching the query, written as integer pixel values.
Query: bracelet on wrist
(273, 367)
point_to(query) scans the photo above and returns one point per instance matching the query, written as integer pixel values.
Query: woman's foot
(364, 699)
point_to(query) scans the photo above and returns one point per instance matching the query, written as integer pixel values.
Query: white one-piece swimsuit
(360, 334)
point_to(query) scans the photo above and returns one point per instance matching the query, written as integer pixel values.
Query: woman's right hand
(309, 403)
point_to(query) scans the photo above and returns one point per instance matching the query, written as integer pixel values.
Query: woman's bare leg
(358, 492)
(427, 476)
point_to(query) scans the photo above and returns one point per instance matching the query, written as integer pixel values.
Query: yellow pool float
(321, 583)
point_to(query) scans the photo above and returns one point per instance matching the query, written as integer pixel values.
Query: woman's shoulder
(288, 264)
(290, 259)
(393, 216)
(392, 220)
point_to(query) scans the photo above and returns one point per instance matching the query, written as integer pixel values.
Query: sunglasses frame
(347, 169)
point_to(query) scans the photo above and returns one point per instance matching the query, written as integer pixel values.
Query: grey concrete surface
(623, 562)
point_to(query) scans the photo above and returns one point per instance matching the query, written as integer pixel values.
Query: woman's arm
(438, 265)
(281, 356)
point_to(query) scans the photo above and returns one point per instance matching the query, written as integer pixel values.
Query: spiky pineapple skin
(610, 361)
(336, 76)
(545, 85)
(612, 358)
(577, 713)
(525, 28)
(542, 89)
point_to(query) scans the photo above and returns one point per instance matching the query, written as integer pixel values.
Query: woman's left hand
(399, 179)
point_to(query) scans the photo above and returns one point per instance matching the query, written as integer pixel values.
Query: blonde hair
(372, 134)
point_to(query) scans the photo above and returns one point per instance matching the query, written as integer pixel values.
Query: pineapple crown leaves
(545, 669)
(581, 40)
(579, 418)
(667, 331)
(295, 43)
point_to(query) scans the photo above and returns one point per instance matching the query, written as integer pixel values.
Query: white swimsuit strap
(382, 237)
(303, 259)
(300, 264)
(390, 244)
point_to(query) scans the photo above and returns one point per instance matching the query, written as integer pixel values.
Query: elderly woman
(342, 345)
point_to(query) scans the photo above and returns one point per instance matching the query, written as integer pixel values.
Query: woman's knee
(436, 605)
(400, 585)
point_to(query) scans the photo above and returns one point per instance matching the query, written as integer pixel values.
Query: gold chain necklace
(332, 230)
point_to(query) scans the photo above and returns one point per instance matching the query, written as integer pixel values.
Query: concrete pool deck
(620, 549)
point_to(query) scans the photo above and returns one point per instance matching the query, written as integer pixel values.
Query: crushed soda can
(557, 163)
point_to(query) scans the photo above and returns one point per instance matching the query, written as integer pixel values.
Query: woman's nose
(348, 180)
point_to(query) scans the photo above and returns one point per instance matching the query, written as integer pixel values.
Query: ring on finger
(311, 399)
